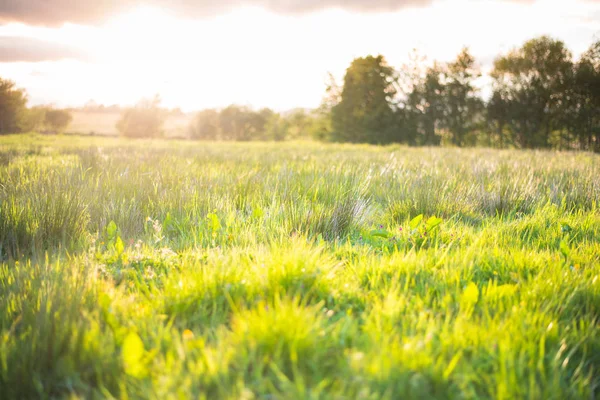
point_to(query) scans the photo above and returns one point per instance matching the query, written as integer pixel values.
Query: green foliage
(243, 124)
(205, 125)
(464, 108)
(12, 107)
(583, 114)
(240, 123)
(296, 270)
(365, 112)
(57, 120)
(540, 99)
(531, 84)
(133, 354)
(32, 119)
(423, 107)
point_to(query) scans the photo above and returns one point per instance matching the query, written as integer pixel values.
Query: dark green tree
(366, 110)
(206, 125)
(498, 115)
(243, 124)
(32, 119)
(57, 120)
(424, 107)
(533, 82)
(12, 107)
(463, 106)
(585, 111)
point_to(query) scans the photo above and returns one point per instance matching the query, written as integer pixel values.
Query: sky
(261, 53)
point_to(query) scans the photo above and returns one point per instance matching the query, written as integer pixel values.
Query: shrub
(145, 120)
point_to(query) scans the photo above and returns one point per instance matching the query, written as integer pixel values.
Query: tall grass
(152, 269)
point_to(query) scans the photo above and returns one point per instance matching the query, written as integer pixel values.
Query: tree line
(237, 123)
(540, 98)
(16, 117)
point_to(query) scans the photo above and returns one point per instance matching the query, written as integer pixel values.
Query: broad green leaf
(433, 223)
(470, 295)
(104, 301)
(133, 353)
(452, 365)
(257, 212)
(416, 221)
(111, 230)
(381, 233)
(119, 246)
(213, 222)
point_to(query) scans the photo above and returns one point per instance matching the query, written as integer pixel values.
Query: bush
(145, 120)
(57, 120)
(12, 105)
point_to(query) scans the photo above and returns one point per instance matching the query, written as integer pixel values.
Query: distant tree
(32, 119)
(424, 107)
(531, 83)
(12, 107)
(276, 128)
(57, 120)
(243, 124)
(145, 120)
(261, 123)
(463, 106)
(410, 75)
(299, 124)
(206, 125)
(321, 127)
(498, 114)
(366, 110)
(585, 110)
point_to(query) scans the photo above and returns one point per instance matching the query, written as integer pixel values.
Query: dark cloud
(57, 12)
(16, 48)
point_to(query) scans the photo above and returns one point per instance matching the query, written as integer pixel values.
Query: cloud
(18, 48)
(57, 12)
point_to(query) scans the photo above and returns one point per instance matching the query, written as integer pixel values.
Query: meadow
(296, 270)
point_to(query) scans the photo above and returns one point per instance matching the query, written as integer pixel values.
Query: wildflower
(188, 334)
(149, 273)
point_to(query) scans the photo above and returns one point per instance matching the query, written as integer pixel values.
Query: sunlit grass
(155, 269)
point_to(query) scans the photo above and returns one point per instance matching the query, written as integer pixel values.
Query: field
(174, 269)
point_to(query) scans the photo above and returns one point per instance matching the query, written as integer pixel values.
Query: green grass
(155, 269)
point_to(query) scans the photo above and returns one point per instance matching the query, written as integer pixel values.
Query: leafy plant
(423, 232)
